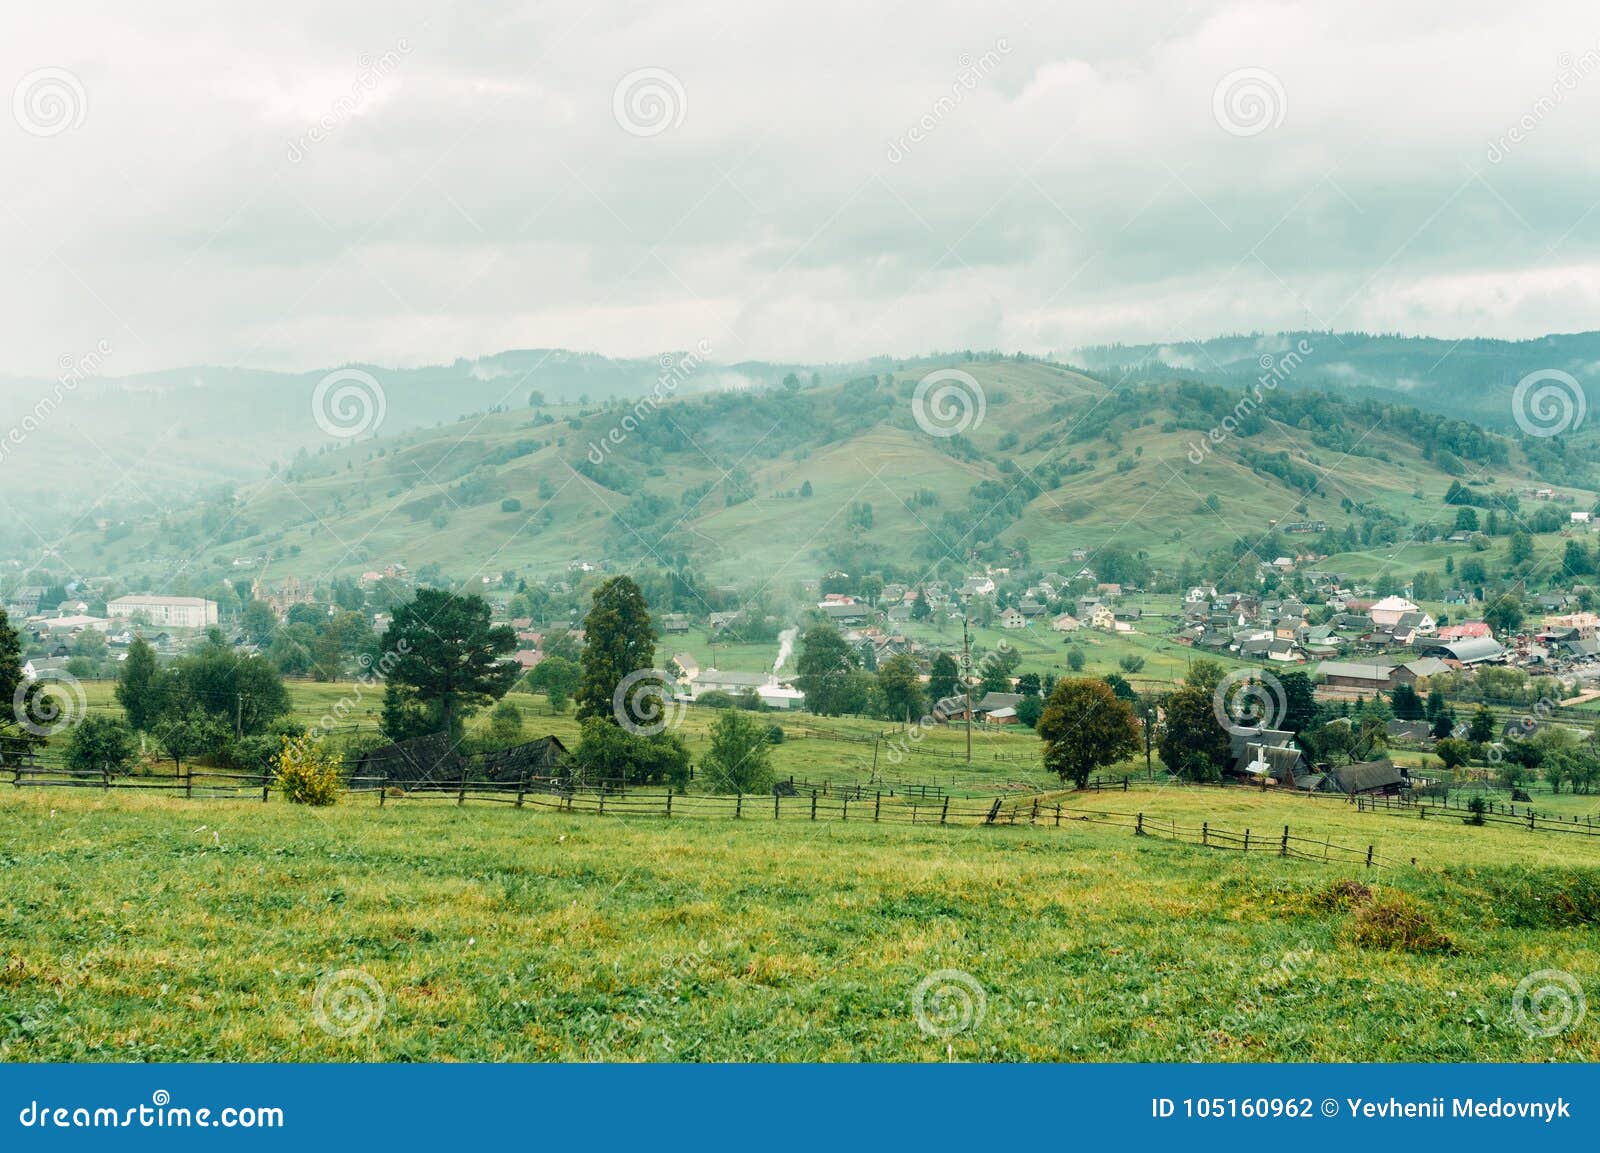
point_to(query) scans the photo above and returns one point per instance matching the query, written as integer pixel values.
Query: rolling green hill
(765, 486)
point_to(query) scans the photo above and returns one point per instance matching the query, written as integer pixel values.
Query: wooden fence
(200, 782)
(1036, 811)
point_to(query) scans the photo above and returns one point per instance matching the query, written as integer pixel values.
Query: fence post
(1034, 816)
(461, 793)
(877, 802)
(521, 786)
(669, 803)
(1283, 848)
(1124, 784)
(1369, 856)
(602, 795)
(944, 812)
(738, 805)
(263, 786)
(383, 791)
(1058, 814)
(1247, 840)
(813, 804)
(774, 804)
(105, 777)
(188, 783)
(1138, 828)
(1531, 827)
(1205, 832)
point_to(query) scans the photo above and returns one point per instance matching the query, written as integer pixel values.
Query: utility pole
(966, 681)
(238, 716)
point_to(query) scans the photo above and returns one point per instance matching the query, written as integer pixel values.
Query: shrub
(100, 744)
(1399, 924)
(1477, 806)
(1341, 896)
(307, 773)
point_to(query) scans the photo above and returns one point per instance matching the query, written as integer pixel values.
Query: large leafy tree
(444, 663)
(140, 686)
(237, 692)
(943, 674)
(556, 678)
(1085, 726)
(1194, 744)
(901, 687)
(826, 671)
(619, 639)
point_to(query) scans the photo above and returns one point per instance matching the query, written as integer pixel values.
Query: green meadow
(151, 928)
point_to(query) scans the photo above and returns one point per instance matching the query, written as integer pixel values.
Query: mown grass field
(144, 928)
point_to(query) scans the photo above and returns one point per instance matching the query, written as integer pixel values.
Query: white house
(1012, 618)
(1387, 612)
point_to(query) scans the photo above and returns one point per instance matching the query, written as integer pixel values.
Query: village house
(1012, 618)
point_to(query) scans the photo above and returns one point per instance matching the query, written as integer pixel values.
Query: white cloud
(480, 195)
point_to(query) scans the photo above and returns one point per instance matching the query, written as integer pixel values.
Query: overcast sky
(297, 185)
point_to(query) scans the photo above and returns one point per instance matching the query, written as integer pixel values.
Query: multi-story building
(173, 612)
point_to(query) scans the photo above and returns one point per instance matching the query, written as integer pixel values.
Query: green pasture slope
(151, 928)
